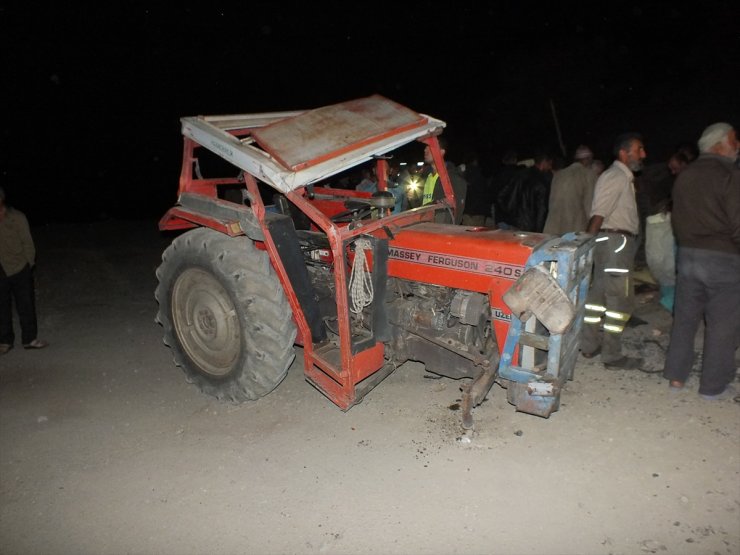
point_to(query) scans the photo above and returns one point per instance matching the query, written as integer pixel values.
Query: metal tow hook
(475, 392)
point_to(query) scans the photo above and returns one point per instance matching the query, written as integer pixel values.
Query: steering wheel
(357, 210)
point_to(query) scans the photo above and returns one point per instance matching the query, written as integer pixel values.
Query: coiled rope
(360, 279)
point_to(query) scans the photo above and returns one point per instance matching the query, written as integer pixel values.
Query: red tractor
(271, 257)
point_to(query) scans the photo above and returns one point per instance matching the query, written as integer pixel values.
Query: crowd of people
(683, 214)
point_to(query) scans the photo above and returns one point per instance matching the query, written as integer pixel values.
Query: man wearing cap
(571, 193)
(616, 222)
(17, 257)
(706, 222)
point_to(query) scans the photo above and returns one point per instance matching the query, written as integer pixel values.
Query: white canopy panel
(289, 150)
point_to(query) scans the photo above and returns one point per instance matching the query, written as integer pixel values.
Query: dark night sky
(96, 94)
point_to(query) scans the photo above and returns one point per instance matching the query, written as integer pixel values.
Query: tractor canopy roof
(288, 150)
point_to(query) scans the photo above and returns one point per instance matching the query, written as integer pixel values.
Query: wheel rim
(206, 322)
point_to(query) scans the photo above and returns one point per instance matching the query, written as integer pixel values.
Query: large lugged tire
(225, 315)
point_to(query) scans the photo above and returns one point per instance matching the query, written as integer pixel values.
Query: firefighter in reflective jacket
(433, 188)
(615, 221)
(429, 184)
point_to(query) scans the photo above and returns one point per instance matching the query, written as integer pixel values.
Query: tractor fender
(195, 210)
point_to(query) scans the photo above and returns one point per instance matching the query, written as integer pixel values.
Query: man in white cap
(706, 221)
(571, 193)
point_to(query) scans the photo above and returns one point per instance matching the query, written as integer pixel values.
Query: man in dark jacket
(504, 183)
(534, 196)
(706, 222)
(522, 200)
(480, 194)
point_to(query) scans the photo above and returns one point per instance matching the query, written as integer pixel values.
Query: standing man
(571, 195)
(480, 197)
(660, 244)
(616, 222)
(534, 196)
(706, 221)
(506, 184)
(433, 190)
(17, 257)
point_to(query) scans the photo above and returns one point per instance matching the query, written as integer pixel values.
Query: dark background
(94, 94)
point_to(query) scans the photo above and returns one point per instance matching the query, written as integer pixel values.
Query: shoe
(591, 354)
(652, 370)
(36, 344)
(4, 348)
(674, 386)
(624, 363)
(728, 393)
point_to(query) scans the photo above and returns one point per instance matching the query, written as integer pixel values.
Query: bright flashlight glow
(413, 184)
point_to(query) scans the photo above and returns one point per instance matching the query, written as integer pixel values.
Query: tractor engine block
(447, 329)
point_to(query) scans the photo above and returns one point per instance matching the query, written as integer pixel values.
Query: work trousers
(18, 288)
(708, 287)
(611, 298)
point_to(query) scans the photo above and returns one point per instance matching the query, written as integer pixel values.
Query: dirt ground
(106, 449)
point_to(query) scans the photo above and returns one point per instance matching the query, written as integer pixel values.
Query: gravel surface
(106, 449)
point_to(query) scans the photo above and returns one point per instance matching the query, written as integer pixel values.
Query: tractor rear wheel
(225, 315)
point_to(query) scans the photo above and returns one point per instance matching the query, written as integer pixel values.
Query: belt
(621, 231)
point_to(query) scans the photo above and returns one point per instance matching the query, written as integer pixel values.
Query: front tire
(225, 315)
